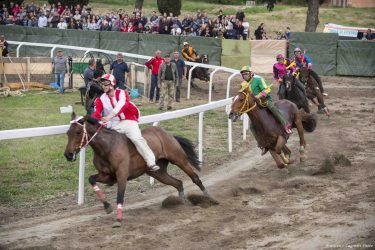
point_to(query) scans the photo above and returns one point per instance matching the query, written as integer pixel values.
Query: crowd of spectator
(83, 18)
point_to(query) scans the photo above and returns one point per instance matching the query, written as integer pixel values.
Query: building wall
(361, 3)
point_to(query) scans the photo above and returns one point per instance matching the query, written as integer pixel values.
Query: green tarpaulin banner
(119, 41)
(14, 33)
(44, 35)
(320, 47)
(356, 58)
(150, 43)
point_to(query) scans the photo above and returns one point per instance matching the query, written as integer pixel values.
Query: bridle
(245, 107)
(85, 136)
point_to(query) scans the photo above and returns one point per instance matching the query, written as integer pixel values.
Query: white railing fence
(111, 52)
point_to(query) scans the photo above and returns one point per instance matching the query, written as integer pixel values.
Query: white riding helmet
(109, 77)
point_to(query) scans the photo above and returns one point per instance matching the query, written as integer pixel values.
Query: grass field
(34, 170)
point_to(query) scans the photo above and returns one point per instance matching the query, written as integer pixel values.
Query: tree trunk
(312, 18)
(139, 4)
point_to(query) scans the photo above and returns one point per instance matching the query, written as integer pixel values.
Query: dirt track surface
(326, 202)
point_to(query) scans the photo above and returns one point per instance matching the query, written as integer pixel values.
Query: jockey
(262, 89)
(299, 59)
(189, 53)
(122, 116)
(279, 71)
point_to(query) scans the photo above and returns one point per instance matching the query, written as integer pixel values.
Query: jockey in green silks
(262, 89)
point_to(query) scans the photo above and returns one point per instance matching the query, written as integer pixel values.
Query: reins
(85, 136)
(246, 104)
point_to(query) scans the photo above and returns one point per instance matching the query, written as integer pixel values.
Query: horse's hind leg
(163, 176)
(302, 142)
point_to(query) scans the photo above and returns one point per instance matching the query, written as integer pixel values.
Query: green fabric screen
(204, 45)
(356, 58)
(235, 53)
(150, 43)
(44, 35)
(119, 41)
(320, 47)
(14, 33)
(80, 38)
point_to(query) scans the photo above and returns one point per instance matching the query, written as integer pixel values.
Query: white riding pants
(131, 129)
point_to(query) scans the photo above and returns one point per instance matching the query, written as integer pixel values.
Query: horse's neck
(100, 143)
(257, 118)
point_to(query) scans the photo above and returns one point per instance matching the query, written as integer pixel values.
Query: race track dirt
(327, 202)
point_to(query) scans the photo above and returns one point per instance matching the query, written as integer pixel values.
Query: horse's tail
(308, 121)
(188, 147)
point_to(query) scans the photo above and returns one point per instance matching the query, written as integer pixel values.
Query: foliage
(7, 2)
(169, 6)
(70, 3)
(228, 2)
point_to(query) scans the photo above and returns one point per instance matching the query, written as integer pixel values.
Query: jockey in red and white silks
(114, 108)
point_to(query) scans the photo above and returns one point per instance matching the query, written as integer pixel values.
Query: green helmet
(246, 69)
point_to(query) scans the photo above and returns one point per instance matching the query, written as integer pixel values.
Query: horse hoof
(108, 208)
(117, 224)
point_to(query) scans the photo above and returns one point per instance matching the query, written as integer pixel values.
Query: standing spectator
(62, 24)
(240, 15)
(167, 80)
(154, 64)
(181, 70)
(246, 29)
(88, 74)
(60, 67)
(258, 33)
(118, 69)
(287, 33)
(3, 46)
(42, 21)
(369, 35)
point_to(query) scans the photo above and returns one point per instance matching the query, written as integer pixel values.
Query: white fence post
(210, 85)
(200, 137)
(81, 181)
(229, 135)
(245, 126)
(189, 81)
(18, 50)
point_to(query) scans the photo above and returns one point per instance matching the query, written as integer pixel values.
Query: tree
(169, 6)
(312, 17)
(138, 4)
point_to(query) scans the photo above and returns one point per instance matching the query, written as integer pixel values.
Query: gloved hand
(280, 80)
(294, 73)
(309, 66)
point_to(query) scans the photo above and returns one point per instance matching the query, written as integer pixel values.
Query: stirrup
(154, 168)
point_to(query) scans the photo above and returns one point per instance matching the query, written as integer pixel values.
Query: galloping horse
(312, 89)
(267, 130)
(199, 72)
(117, 160)
(295, 94)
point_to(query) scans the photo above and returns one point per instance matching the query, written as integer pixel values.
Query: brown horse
(267, 130)
(117, 160)
(312, 89)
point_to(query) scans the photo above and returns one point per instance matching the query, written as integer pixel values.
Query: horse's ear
(73, 116)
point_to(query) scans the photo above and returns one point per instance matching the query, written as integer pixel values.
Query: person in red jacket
(154, 64)
(115, 110)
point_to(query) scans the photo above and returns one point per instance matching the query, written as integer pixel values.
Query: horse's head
(75, 137)
(202, 59)
(289, 81)
(242, 103)
(304, 73)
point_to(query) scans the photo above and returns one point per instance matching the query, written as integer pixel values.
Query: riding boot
(286, 125)
(282, 92)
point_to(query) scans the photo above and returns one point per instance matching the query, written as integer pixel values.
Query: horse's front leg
(103, 179)
(122, 177)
